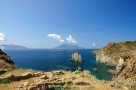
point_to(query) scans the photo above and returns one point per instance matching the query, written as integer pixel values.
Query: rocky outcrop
(120, 64)
(55, 80)
(128, 69)
(122, 55)
(5, 61)
(76, 57)
(106, 59)
(112, 53)
(37, 80)
(13, 77)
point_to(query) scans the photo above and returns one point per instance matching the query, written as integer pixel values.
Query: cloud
(2, 37)
(71, 40)
(56, 37)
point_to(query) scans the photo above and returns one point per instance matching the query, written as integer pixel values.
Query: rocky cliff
(112, 53)
(5, 61)
(128, 68)
(122, 55)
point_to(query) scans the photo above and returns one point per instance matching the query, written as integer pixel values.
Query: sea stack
(76, 57)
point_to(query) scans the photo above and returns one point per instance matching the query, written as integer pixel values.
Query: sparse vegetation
(5, 81)
(121, 82)
(133, 87)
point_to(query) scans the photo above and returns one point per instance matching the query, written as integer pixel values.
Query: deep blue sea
(49, 59)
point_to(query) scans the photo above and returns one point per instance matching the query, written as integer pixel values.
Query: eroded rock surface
(6, 64)
(128, 69)
(112, 53)
(76, 57)
(37, 80)
(123, 56)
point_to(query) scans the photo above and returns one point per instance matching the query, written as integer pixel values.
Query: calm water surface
(48, 60)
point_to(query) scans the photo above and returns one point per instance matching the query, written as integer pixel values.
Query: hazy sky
(49, 23)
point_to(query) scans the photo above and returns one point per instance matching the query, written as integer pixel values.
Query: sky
(49, 23)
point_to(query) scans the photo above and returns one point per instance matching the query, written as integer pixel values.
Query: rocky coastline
(121, 55)
(13, 78)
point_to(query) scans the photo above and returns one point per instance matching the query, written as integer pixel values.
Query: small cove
(50, 59)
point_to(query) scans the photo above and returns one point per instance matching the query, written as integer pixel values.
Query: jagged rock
(102, 58)
(13, 77)
(44, 77)
(5, 61)
(38, 73)
(129, 69)
(111, 54)
(122, 55)
(120, 64)
(76, 57)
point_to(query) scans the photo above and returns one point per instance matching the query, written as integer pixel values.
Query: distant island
(12, 47)
(68, 46)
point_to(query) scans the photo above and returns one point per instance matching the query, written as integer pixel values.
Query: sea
(55, 59)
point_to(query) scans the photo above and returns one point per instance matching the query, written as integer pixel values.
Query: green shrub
(133, 87)
(5, 81)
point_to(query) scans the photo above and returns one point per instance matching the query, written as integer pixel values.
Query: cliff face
(112, 53)
(5, 61)
(122, 55)
(128, 69)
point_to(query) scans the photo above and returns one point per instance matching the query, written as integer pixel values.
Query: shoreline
(29, 79)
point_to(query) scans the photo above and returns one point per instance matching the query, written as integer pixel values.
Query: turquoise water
(47, 60)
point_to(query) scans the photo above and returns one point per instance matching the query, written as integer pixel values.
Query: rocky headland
(121, 55)
(5, 61)
(114, 52)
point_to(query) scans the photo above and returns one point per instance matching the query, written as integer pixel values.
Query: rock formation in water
(5, 61)
(76, 57)
(122, 55)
